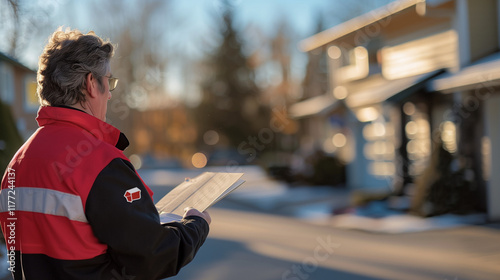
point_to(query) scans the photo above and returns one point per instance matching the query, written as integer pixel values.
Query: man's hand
(193, 212)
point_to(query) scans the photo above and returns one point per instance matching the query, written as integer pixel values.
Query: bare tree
(22, 23)
(141, 106)
(140, 60)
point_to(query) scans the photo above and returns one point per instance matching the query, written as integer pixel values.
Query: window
(6, 83)
(30, 97)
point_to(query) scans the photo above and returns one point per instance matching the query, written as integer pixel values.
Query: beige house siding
(405, 40)
(420, 56)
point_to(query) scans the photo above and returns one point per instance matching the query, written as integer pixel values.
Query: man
(72, 205)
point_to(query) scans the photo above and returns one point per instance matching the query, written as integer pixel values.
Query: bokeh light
(199, 160)
(136, 161)
(340, 92)
(367, 114)
(448, 136)
(409, 108)
(211, 137)
(339, 140)
(334, 52)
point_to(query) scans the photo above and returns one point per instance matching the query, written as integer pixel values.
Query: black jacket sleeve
(136, 240)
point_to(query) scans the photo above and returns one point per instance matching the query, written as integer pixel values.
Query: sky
(198, 17)
(300, 15)
(201, 19)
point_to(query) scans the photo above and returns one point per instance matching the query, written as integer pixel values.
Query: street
(246, 243)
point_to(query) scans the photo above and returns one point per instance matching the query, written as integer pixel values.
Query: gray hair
(65, 62)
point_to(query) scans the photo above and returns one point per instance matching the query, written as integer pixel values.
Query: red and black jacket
(64, 212)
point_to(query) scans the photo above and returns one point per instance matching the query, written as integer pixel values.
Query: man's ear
(91, 86)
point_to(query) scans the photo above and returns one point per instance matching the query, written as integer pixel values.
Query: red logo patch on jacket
(133, 194)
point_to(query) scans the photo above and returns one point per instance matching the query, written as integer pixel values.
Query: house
(477, 86)
(18, 90)
(406, 80)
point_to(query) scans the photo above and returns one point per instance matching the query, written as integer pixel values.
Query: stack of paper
(200, 193)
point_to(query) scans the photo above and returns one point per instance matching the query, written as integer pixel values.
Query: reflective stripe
(43, 201)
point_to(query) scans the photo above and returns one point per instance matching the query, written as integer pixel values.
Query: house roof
(380, 89)
(356, 23)
(317, 105)
(375, 90)
(11, 60)
(481, 74)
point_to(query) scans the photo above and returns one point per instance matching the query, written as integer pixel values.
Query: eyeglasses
(113, 82)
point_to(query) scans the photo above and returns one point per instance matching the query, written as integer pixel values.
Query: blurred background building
(18, 90)
(18, 106)
(411, 103)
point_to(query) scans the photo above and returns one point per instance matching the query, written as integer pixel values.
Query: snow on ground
(404, 223)
(313, 204)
